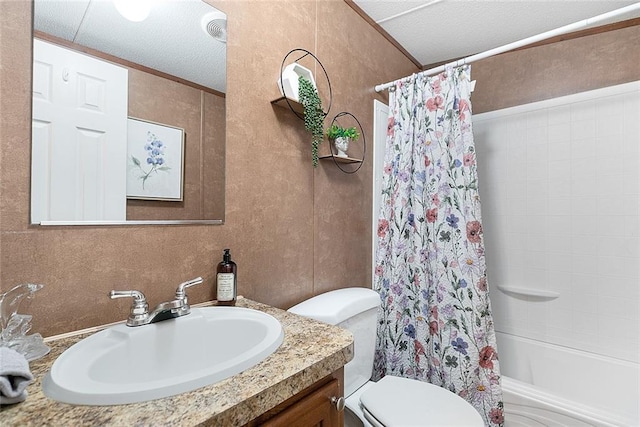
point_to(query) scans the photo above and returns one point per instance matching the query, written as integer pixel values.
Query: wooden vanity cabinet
(312, 407)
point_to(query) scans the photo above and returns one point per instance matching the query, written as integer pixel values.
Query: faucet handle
(139, 306)
(180, 292)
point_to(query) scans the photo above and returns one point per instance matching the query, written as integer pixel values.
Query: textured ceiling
(434, 31)
(170, 40)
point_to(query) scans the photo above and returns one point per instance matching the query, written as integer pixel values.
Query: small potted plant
(341, 138)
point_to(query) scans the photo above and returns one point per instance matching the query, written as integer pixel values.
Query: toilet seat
(403, 402)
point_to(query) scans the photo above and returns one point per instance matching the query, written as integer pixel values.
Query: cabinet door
(315, 410)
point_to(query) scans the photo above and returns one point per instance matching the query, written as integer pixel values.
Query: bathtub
(549, 385)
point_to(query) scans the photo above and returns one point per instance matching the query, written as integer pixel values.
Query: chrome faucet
(139, 314)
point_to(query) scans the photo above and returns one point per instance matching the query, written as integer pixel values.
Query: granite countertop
(311, 350)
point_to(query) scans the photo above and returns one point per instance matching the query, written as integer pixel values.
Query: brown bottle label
(225, 286)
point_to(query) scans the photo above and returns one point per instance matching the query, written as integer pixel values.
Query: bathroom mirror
(174, 61)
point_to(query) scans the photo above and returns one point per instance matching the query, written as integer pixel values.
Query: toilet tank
(355, 309)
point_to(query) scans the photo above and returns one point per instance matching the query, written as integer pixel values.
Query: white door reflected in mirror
(79, 137)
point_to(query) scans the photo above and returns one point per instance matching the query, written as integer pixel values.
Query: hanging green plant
(313, 115)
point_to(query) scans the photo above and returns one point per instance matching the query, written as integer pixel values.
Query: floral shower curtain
(435, 323)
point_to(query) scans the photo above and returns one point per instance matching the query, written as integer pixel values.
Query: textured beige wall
(294, 231)
(163, 101)
(557, 69)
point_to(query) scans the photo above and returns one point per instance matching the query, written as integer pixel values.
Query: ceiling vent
(215, 24)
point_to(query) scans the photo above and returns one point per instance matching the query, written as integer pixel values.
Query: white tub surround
(560, 186)
(561, 386)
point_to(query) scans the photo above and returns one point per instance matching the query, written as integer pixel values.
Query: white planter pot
(342, 145)
(289, 84)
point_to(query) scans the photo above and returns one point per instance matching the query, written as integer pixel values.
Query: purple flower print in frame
(155, 161)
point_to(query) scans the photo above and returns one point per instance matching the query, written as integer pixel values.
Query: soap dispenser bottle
(227, 280)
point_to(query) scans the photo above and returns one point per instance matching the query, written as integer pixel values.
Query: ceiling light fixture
(133, 10)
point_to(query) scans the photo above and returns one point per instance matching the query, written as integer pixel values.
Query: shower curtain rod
(529, 40)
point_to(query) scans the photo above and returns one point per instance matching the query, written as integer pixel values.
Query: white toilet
(392, 401)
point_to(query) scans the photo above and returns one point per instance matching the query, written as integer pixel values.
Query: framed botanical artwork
(155, 161)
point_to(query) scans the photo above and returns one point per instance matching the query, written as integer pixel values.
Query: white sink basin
(125, 364)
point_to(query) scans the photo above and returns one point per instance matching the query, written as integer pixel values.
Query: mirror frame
(123, 62)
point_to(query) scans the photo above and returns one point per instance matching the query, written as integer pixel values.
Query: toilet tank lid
(335, 307)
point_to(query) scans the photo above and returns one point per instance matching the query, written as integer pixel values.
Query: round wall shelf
(294, 105)
(341, 160)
